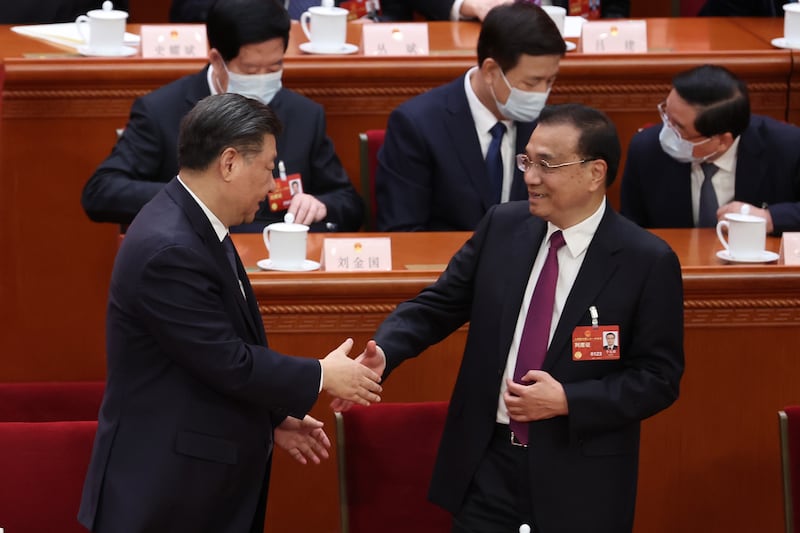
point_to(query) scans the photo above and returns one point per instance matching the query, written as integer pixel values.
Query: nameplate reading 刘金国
(407, 39)
(614, 37)
(174, 41)
(790, 249)
(356, 255)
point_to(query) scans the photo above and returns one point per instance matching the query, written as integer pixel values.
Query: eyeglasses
(525, 163)
(663, 112)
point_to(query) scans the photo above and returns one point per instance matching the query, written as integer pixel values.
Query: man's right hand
(349, 380)
(373, 358)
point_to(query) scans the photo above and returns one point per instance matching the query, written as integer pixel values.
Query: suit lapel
(461, 129)
(198, 88)
(598, 266)
(203, 227)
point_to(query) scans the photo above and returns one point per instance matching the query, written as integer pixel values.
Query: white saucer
(571, 46)
(122, 51)
(307, 266)
(346, 48)
(765, 257)
(781, 42)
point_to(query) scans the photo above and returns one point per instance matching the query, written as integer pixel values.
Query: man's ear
(725, 141)
(599, 169)
(227, 162)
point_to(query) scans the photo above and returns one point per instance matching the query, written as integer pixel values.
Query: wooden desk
(708, 463)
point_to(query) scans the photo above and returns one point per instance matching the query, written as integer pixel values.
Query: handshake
(352, 381)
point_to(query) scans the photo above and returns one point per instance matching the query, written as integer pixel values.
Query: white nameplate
(387, 39)
(614, 37)
(174, 41)
(790, 249)
(356, 255)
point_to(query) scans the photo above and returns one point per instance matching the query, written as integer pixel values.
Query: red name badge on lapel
(281, 197)
(595, 343)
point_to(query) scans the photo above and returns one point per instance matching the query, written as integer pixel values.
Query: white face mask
(261, 87)
(679, 148)
(522, 106)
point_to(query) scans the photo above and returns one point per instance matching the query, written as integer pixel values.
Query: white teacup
(286, 244)
(791, 23)
(559, 16)
(106, 29)
(747, 235)
(328, 31)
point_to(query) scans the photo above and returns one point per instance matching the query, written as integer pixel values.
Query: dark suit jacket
(634, 280)
(431, 175)
(656, 189)
(146, 156)
(184, 440)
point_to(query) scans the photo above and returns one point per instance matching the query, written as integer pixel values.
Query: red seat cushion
(50, 401)
(42, 467)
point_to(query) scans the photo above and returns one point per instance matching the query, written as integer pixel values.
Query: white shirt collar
(727, 161)
(578, 237)
(483, 118)
(219, 228)
(210, 78)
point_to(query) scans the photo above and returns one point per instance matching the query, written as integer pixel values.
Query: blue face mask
(679, 148)
(261, 87)
(522, 106)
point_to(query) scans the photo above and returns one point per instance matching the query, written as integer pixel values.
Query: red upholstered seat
(370, 143)
(42, 468)
(386, 455)
(50, 401)
(790, 457)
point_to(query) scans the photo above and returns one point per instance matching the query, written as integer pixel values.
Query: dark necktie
(297, 7)
(707, 216)
(230, 251)
(536, 332)
(494, 161)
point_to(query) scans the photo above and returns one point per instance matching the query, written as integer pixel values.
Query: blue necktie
(494, 161)
(707, 216)
(297, 7)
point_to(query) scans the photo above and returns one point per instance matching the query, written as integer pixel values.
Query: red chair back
(43, 466)
(370, 143)
(50, 401)
(790, 458)
(386, 456)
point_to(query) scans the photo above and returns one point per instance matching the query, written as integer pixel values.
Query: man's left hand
(307, 209)
(543, 398)
(304, 439)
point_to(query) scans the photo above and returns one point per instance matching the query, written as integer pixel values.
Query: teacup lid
(284, 227)
(108, 12)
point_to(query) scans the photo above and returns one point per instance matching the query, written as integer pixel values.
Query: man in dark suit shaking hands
(535, 425)
(195, 398)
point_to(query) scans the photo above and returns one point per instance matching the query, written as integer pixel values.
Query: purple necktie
(536, 332)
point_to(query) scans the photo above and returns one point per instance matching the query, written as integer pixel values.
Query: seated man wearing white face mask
(449, 153)
(709, 157)
(247, 41)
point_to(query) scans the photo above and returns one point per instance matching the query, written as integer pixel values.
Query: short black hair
(232, 24)
(598, 137)
(222, 121)
(510, 30)
(721, 98)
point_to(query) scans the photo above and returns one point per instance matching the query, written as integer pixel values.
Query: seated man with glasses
(449, 153)
(709, 157)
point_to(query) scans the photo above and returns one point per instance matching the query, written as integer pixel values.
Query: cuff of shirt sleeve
(321, 376)
(455, 11)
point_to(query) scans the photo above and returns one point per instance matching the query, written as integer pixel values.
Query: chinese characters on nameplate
(407, 39)
(356, 255)
(614, 37)
(174, 41)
